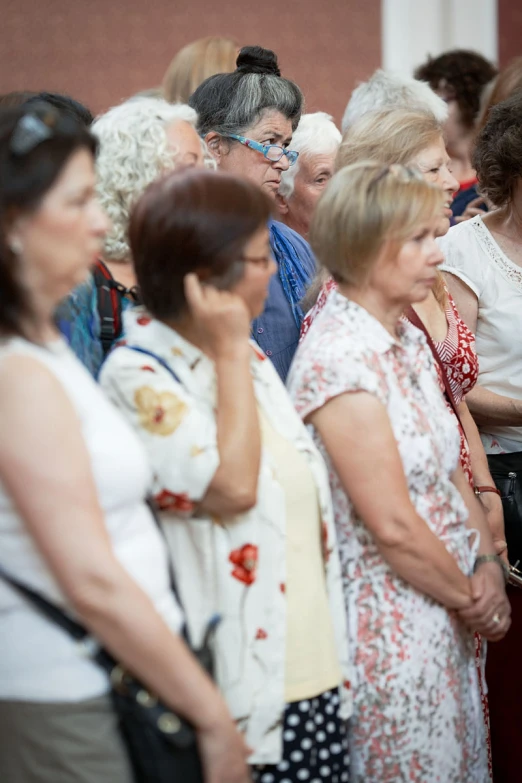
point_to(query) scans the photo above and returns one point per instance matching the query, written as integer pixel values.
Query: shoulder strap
(51, 611)
(154, 356)
(109, 306)
(413, 318)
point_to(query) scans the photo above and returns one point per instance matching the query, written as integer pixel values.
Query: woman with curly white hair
(139, 140)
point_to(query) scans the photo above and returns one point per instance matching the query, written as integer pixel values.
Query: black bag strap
(109, 306)
(45, 607)
(109, 296)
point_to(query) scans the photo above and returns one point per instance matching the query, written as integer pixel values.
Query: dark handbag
(506, 471)
(162, 746)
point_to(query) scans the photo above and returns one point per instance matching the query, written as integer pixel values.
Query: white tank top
(38, 660)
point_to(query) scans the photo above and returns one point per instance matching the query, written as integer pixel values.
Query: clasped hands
(490, 612)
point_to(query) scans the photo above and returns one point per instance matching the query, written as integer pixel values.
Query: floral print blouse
(417, 708)
(232, 567)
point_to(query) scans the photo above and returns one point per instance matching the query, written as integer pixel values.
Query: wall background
(102, 51)
(509, 30)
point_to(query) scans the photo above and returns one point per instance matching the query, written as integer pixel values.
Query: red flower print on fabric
(147, 368)
(143, 320)
(324, 537)
(245, 562)
(261, 634)
(170, 501)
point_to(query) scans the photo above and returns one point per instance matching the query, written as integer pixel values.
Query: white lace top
(472, 255)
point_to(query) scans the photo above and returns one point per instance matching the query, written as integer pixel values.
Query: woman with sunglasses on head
(74, 525)
(244, 494)
(247, 119)
(419, 568)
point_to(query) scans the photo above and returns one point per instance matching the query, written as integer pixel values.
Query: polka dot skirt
(315, 744)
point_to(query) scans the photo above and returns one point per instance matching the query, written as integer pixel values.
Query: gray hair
(390, 91)
(233, 102)
(134, 151)
(316, 134)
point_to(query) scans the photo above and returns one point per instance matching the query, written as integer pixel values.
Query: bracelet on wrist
(482, 490)
(481, 559)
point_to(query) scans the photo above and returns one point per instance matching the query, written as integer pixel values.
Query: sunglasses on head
(36, 126)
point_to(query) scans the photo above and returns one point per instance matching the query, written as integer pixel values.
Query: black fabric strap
(51, 611)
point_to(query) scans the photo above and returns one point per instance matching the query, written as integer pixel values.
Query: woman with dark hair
(483, 265)
(247, 119)
(74, 525)
(245, 502)
(460, 76)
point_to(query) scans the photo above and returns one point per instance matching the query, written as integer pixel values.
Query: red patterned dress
(457, 352)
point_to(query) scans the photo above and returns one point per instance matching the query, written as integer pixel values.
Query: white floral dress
(417, 714)
(233, 567)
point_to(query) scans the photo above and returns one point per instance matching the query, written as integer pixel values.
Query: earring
(15, 246)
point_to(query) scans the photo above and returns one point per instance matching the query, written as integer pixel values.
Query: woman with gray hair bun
(247, 119)
(317, 140)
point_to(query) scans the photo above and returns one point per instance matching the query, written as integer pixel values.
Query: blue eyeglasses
(272, 152)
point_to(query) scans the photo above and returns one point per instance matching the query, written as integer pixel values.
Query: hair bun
(255, 59)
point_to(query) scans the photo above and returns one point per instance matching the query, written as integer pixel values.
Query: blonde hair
(195, 63)
(366, 207)
(392, 136)
(389, 136)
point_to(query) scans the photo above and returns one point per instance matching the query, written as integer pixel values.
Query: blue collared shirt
(276, 331)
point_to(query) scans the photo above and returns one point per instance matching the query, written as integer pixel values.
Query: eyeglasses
(272, 152)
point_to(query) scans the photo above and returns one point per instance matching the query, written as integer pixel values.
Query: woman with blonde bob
(365, 380)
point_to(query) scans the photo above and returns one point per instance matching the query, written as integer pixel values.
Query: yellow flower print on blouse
(160, 412)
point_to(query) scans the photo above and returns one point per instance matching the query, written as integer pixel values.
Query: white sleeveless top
(472, 254)
(38, 660)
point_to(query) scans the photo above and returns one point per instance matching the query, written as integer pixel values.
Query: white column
(414, 29)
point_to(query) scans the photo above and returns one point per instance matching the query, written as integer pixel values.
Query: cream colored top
(312, 663)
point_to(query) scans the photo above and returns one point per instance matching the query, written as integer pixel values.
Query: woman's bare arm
(486, 407)
(357, 434)
(490, 501)
(45, 467)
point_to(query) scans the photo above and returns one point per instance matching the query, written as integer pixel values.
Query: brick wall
(102, 51)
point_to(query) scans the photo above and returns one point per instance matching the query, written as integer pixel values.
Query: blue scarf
(291, 272)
